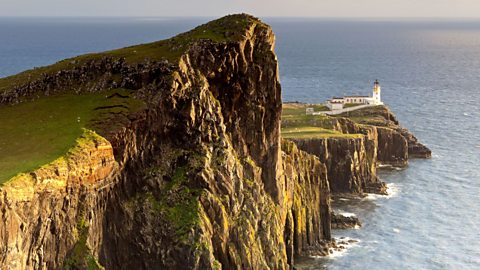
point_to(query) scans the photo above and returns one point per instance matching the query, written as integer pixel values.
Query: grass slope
(37, 132)
(296, 124)
(314, 132)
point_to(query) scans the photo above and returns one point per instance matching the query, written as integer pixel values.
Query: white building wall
(335, 106)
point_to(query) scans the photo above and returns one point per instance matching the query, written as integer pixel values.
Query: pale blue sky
(262, 8)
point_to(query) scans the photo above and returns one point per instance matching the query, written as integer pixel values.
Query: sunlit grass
(314, 132)
(37, 132)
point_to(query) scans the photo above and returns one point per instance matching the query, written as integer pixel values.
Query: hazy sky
(262, 8)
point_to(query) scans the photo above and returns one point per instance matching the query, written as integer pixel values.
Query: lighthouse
(376, 93)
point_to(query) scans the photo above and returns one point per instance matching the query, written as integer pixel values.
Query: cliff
(168, 155)
(192, 178)
(397, 144)
(353, 145)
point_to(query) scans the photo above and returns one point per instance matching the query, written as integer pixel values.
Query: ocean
(429, 72)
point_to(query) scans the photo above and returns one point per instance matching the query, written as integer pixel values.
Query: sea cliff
(352, 145)
(182, 164)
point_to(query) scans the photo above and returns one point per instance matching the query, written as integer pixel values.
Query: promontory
(169, 155)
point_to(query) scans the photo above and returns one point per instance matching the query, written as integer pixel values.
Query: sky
(261, 8)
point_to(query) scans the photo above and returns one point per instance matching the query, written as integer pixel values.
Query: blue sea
(430, 77)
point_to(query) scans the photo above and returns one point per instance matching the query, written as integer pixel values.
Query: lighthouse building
(338, 103)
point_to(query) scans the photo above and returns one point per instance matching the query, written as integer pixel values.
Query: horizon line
(383, 18)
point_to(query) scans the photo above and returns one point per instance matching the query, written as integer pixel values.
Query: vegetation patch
(350, 105)
(375, 116)
(314, 132)
(80, 256)
(36, 133)
(297, 124)
(294, 109)
(178, 203)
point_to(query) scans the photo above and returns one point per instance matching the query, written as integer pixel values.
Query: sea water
(429, 73)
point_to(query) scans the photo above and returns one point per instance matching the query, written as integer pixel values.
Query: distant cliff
(353, 145)
(197, 177)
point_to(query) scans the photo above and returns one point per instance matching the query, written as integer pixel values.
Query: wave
(346, 214)
(392, 190)
(384, 166)
(343, 244)
(390, 167)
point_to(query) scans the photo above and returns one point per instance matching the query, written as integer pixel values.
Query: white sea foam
(372, 197)
(392, 190)
(343, 245)
(346, 214)
(384, 166)
(396, 230)
(390, 167)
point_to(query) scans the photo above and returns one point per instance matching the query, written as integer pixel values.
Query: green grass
(36, 133)
(368, 116)
(229, 28)
(370, 120)
(295, 109)
(80, 256)
(293, 115)
(314, 132)
(296, 124)
(349, 105)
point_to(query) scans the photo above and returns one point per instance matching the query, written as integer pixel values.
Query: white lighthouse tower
(376, 93)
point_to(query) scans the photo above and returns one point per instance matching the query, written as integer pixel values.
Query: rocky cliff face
(396, 143)
(351, 164)
(44, 212)
(308, 223)
(197, 180)
(365, 139)
(393, 148)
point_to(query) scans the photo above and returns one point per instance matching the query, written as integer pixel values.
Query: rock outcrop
(363, 140)
(393, 147)
(309, 205)
(396, 143)
(342, 222)
(42, 212)
(351, 164)
(197, 180)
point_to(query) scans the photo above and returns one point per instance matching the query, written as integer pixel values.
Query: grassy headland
(34, 133)
(37, 132)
